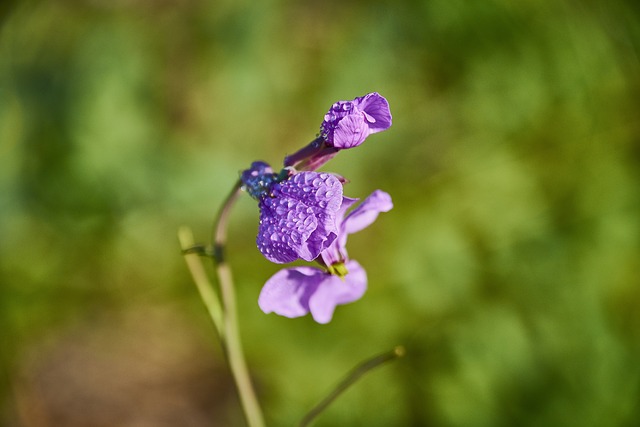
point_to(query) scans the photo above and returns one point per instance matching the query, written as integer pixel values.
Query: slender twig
(351, 378)
(232, 342)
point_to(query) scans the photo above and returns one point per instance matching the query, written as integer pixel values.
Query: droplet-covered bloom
(297, 212)
(296, 291)
(348, 123)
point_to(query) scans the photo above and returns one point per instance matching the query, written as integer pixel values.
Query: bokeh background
(508, 267)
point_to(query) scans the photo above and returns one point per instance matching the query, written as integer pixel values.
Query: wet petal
(377, 112)
(298, 219)
(351, 131)
(348, 123)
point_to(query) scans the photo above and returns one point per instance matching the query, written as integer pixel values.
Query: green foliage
(508, 267)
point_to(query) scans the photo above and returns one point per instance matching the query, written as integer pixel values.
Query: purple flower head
(297, 211)
(346, 125)
(296, 291)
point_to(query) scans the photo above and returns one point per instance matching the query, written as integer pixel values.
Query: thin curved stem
(351, 378)
(231, 335)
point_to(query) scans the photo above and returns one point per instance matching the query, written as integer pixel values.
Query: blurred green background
(508, 267)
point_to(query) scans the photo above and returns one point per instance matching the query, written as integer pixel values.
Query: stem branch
(351, 378)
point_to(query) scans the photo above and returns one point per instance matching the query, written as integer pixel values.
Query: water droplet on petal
(368, 117)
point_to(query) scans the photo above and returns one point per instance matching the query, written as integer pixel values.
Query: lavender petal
(287, 292)
(333, 291)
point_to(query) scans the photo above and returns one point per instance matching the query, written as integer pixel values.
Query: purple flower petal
(287, 292)
(366, 213)
(334, 291)
(298, 218)
(294, 292)
(350, 132)
(361, 217)
(376, 111)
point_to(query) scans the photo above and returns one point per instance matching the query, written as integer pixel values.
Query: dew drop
(369, 117)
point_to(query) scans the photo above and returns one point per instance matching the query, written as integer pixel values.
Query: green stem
(351, 378)
(200, 278)
(231, 334)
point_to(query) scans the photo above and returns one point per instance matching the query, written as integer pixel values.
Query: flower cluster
(304, 215)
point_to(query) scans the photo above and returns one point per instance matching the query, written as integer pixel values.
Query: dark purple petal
(336, 113)
(294, 292)
(376, 111)
(334, 291)
(298, 219)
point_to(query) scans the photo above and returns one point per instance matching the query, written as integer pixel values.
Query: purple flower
(346, 125)
(297, 211)
(349, 123)
(296, 291)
